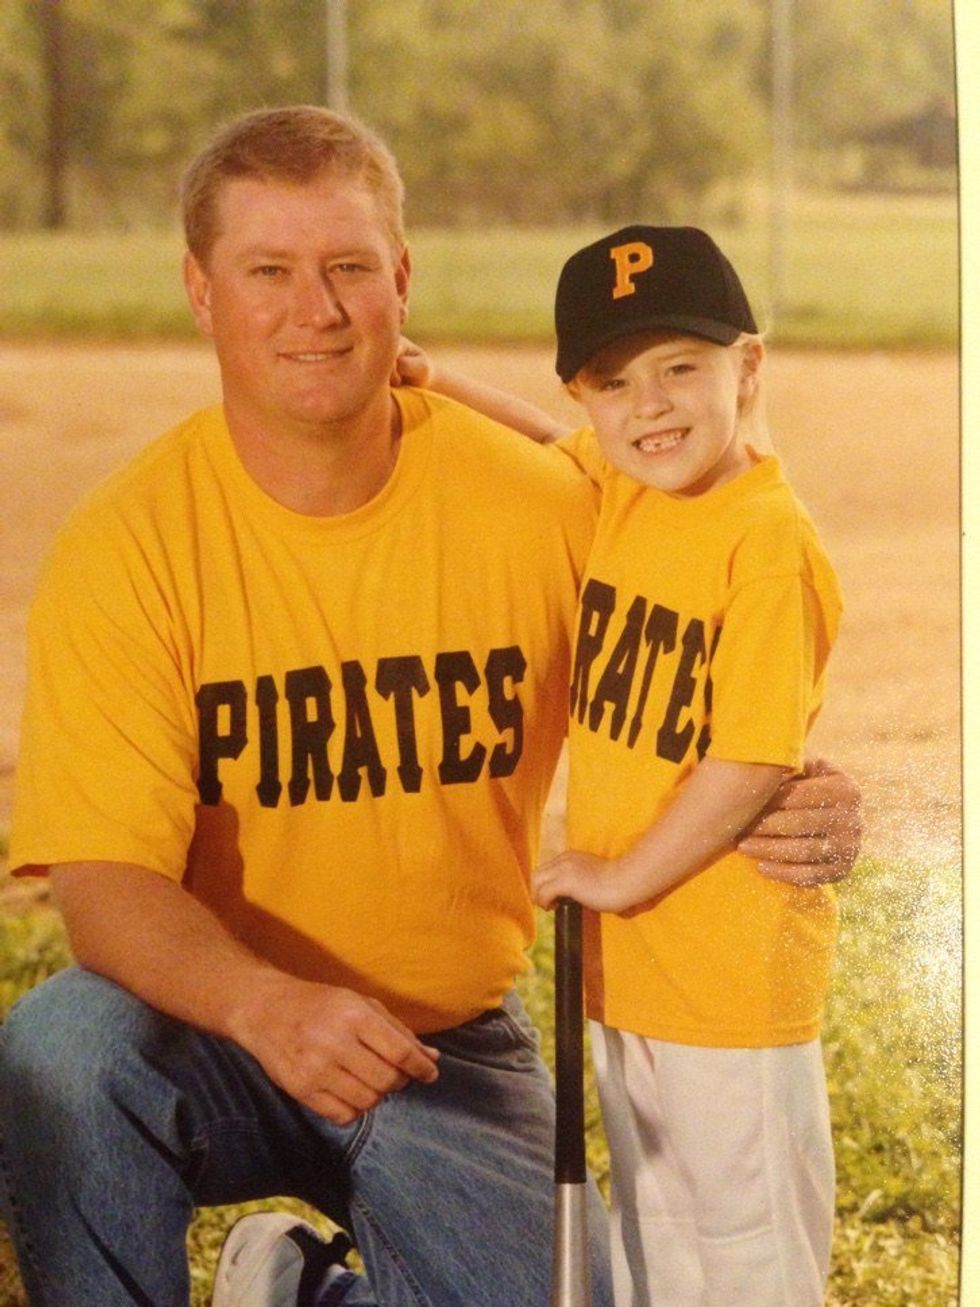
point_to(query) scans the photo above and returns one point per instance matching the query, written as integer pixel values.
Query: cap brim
(720, 333)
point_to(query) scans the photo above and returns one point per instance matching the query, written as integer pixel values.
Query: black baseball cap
(646, 278)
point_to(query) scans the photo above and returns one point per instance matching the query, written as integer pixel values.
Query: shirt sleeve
(582, 447)
(105, 770)
(769, 669)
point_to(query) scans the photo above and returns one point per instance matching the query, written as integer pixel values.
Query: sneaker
(272, 1259)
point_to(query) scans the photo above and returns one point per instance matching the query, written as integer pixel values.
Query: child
(706, 619)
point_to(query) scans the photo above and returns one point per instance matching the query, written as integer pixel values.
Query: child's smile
(658, 443)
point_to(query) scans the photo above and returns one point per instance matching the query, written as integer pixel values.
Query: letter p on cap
(630, 261)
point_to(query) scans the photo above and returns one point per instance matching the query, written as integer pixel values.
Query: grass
(894, 1066)
(861, 271)
(893, 1046)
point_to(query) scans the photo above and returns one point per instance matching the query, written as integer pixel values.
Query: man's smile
(314, 356)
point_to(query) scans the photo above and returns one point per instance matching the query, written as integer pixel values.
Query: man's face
(304, 296)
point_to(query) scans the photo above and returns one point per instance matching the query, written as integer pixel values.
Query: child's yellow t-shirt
(338, 732)
(704, 627)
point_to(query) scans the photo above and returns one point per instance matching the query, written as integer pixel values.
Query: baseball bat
(570, 1256)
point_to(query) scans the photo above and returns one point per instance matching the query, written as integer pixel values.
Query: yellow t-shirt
(338, 732)
(704, 626)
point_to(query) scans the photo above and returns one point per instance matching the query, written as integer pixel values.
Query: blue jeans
(118, 1121)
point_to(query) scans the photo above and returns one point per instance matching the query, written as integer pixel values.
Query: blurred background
(817, 138)
(817, 141)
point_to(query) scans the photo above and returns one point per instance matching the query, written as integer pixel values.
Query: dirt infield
(870, 441)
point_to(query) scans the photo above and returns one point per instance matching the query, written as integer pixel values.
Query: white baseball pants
(722, 1172)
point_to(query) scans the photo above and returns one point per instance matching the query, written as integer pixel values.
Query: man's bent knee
(70, 1045)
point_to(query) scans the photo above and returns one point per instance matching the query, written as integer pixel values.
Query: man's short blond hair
(296, 144)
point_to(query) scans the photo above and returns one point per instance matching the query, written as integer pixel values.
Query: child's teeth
(651, 444)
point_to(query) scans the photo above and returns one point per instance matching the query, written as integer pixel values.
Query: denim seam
(25, 1245)
(360, 1138)
(413, 1286)
(227, 1125)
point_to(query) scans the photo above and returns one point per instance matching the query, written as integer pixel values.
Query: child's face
(665, 409)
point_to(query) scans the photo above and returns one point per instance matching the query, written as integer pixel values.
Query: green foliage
(894, 1067)
(498, 110)
(904, 51)
(32, 947)
(21, 113)
(551, 111)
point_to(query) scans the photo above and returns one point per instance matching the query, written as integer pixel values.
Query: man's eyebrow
(263, 252)
(259, 251)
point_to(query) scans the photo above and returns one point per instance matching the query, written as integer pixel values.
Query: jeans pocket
(500, 1037)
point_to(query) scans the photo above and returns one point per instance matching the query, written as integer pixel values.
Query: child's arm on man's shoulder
(414, 367)
(717, 802)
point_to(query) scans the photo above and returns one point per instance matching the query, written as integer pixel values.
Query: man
(295, 699)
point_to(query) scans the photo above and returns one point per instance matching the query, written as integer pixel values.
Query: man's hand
(332, 1049)
(810, 831)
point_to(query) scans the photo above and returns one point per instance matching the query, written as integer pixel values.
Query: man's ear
(197, 284)
(403, 277)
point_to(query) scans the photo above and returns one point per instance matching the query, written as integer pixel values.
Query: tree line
(498, 110)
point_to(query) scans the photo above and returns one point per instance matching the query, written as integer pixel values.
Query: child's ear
(753, 352)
